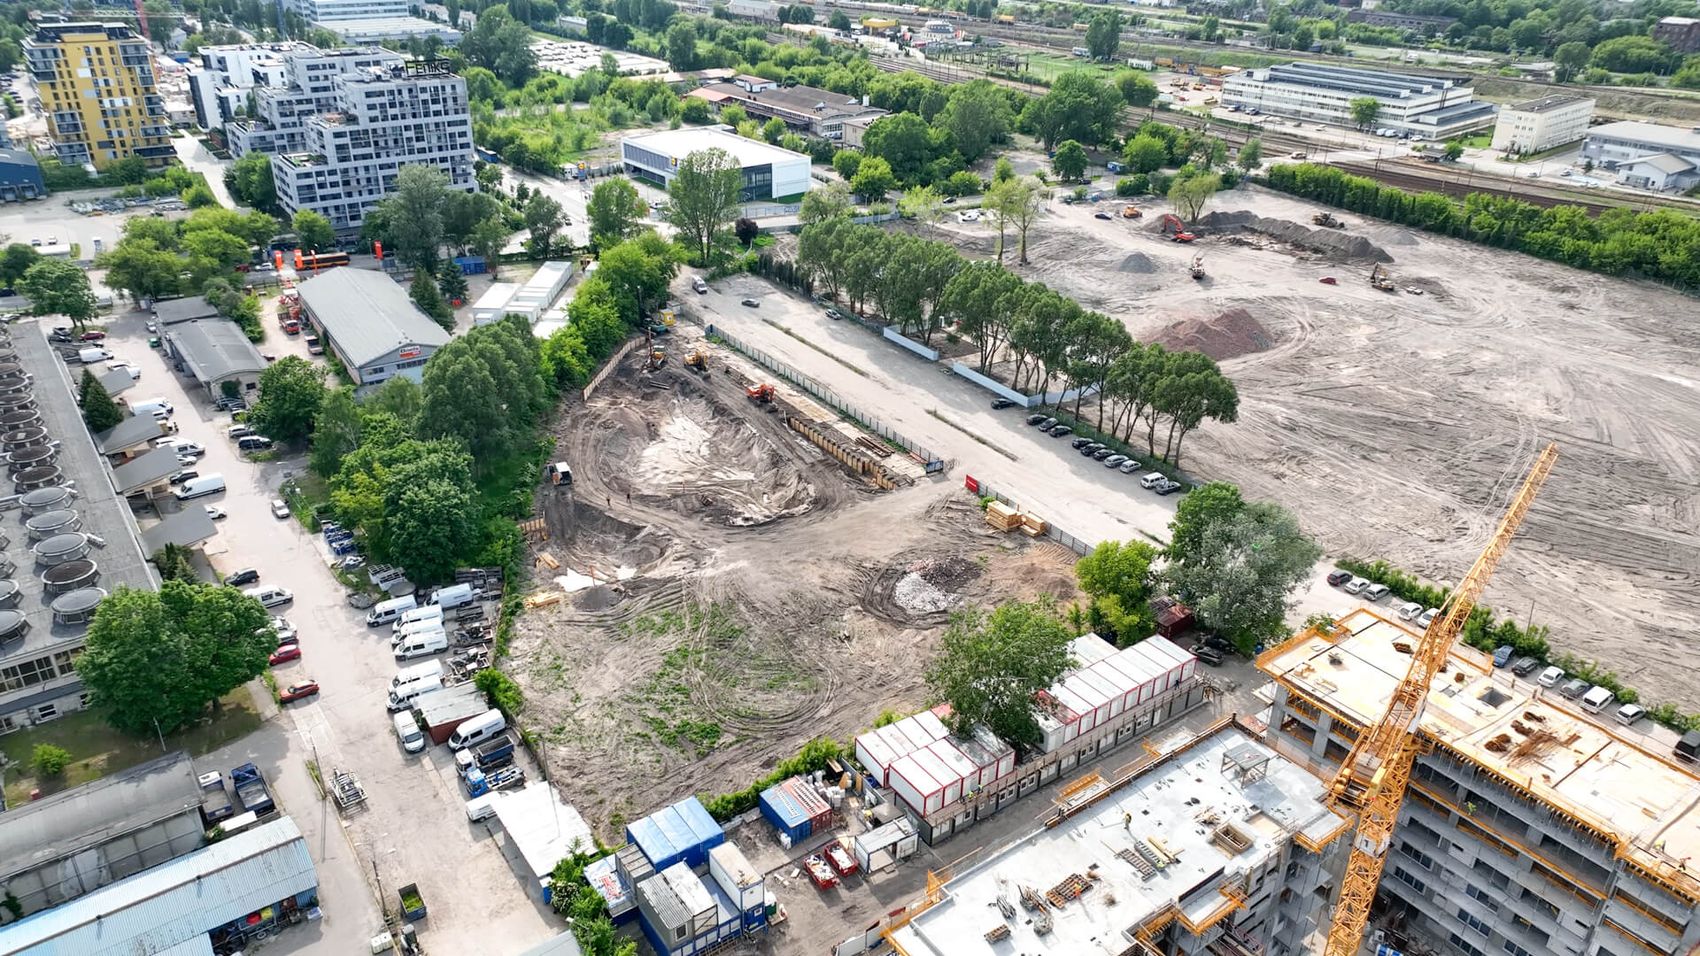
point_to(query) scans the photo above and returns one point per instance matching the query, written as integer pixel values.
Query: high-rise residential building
(96, 83)
(1541, 818)
(305, 86)
(221, 77)
(383, 118)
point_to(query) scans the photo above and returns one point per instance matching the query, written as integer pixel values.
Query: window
(1516, 950)
(1463, 945)
(1409, 880)
(1467, 919)
(1423, 859)
(46, 712)
(1481, 896)
(1538, 903)
(1496, 879)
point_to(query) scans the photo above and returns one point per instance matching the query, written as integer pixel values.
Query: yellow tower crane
(1373, 780)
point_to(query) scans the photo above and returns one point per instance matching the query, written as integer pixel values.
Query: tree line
(1660, 244)
(922, 286)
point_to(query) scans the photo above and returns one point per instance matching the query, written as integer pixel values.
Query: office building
(221, 77)
(804, 109)
(769, 171)
(1427, 107)
(1646, 155)
(386, 29)
(54, 572)
(1539, 125)
(96, 84)
(370, 324)
(1216, 845)
(1532, 825)
(305, 88)
(330, 11)
(1681, 34)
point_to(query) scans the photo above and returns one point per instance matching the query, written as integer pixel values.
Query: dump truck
(216, 805)
(251, 790)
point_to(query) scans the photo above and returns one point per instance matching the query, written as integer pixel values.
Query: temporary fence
(609, 366)
(933, 463)
(903, 341)
(1053, 532)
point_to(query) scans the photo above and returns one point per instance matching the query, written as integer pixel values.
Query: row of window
(39, 671)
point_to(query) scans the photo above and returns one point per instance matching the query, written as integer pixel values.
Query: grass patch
(98, 750)
(304, 493)
(1477, 141)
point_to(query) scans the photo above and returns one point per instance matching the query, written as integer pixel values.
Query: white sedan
(280, 508)
(215, 512)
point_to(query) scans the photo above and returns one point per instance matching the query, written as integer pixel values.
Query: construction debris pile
(1328, 242)
(1223, 336)
(932, 584)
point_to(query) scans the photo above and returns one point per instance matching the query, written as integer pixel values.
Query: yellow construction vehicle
(697, 362)
(1379, 278)
(1373, 780)
(1130, 211)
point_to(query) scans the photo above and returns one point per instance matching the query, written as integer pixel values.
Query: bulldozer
(1379, 278)
(1173, 224)
(1130, 211)
(697, 362)
(1329, 220)
(1197, 268)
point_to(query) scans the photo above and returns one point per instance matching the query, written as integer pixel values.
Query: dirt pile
(1224, 336)
(1137, 262)
(1334, 243)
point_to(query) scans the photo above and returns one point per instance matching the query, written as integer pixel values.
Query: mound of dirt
(1334, 243)
(1137, 262)
(1225, 336)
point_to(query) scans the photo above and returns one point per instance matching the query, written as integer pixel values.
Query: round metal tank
(12, 625)
(15, 418)
(61, 548)
(45, 499)
(10, 594)
(9, 368)
(70, 576)
(49, 523)
(32, 478)
(76, 607)
(31, 457)
(25, 437)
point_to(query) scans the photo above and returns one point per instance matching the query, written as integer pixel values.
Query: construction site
(727, 570)
(1381, 412)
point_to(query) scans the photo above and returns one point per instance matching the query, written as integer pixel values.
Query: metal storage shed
(795, 809)
(443, 710)
(682, 832)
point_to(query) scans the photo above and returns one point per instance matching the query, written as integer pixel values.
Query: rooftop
(1378, 83)
(1218, 806)
(1669, 163)
(367, 314)
(129, 433)
(1547, 104)
(53, 32)
(1601, 775)
(215, 349)
(388, 27)
(679, 143)
(798, 99)
(543, 827)
(149, 468)
(67, 823)
(17, 157)
(186, 529)
(1650, 134)
(172, 311)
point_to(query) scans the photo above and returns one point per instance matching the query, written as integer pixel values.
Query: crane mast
(1373, 780)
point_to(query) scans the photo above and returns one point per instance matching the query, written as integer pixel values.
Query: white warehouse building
(1539, 125)
(769, 171)
(1427, 107)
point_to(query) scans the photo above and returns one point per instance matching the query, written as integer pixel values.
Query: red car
(288, 652)
(295, 692)
(1337, 578)
(96, 336)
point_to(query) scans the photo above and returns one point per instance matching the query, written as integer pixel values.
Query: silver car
(1115, 461)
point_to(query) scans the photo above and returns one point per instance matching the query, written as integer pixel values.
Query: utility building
(371, 324)
(1539, 125)
(1427, 107)
(96, 85)
(769, 171)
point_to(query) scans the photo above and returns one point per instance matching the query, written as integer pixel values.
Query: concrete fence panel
(991, 384)
(903, 341)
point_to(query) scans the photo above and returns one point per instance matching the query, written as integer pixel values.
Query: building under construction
(1219, 845)
(1530, 827)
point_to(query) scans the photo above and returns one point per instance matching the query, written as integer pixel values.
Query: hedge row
(814, 756)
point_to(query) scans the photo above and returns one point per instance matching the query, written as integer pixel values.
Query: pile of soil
(1334, 243)
(1138, 262)
(1225, 336)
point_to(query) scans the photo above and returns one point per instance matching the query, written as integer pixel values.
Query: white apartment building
(1432, 108)
(1543, 124)
(383, 118)
(324, 11)
(221, 76)
(307, 88)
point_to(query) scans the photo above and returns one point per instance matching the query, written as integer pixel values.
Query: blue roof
(783, 805)
(683, 831)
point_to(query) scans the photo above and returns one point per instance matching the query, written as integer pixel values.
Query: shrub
(1136, 185)
(50, 761)
(814, 756)
(501, 690)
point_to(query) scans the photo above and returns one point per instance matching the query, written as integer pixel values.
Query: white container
(964, 771)
(874, 754)
(732, 872)
(950, 782)
(915, 787)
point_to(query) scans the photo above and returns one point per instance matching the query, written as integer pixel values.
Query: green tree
(838, 21)
(313, 231)
(429, 527)
(976, 115)
(1209, 504)
(501, 44)
(1687, 77)
(425, 294)
(291, 391)
(846, 162)
(58, 287)
(1002, 170)
(154, 661)
(1364, 110)
(48, 760)
(1016, 202)
(1104, 35)
(488, 239)
(1631, 54)
(100, 412)
(141, 269)
(544, 219)
(1189, 194)
(400, 398)
(337, 427)
(989, 666)
(638, 273)
(704, 197)
(1145, 153)
(824, 202)
(1118, 577)
(924, 205)
(905, 141)
(1079, 106)
(1240, 573)
(452, 282)
(416, 205)
(1251, 154)
(773, 130)
(198, 196)
(15, 261)
(873, 179)
(682, 45)
(1069, 160)
(615, 209)
(1454, 149)
(1569, 60)
(1137, 89)
(175, 563)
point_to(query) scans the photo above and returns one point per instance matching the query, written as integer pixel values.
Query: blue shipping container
(683, 831)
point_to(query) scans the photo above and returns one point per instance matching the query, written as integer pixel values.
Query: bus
(316, 261)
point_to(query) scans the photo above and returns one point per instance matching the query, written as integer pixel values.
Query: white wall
(791, 176)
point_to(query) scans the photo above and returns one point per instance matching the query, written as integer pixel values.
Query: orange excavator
(1172, 224)
(762, 394)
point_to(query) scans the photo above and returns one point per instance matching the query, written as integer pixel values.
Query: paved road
(414, 826)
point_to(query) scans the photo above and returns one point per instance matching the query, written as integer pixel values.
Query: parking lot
(413, 828)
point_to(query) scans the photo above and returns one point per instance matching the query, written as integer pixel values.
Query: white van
(1152, 480)
(427, 669)
(481, 808)
(429, 612)
(386, 611)
(454, 596)
(270, 596)
(1597, 699)
(408, 732)
(90, 356)
(402, 694)
(406, 631)
(478, 729)
(197, 487)
(422, 645)
(152, 406)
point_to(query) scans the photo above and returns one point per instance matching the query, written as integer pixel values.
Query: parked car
(284, 630)
(1080, 443)
(183, 476)
(1408, 611)
(1090, 447)
(1375, 592)
(699, 286)
(1002, 403)
(253, 443)
(1102, 454)
(1168, 487)
(1115, 461)
(1524, 666)
(216, 513)
(752, 303)
(1036, 418)
(1061, 431)
(1502, 655)
(1047, 424)
(280, 508)
(1219, 643)
(1574, 688)
(1208, 655)
(1338, 578)
(244, 576)
(93, 335)
(1630, 713)
(1550, 677)
(1428, 617)
(239, 432)
(300, 691)
(288, 652)
(1129, 467)
(1102, 215)
(1355, 586)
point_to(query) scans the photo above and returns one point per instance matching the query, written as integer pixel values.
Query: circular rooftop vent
(61, 548)
(11, 367)
(16, 400)
(31, 457)
(10, 594)
(45, 499)
(75, 607)
(46, 476)
(15, 384)
(24, 437)
(70, 576)
(12, 625)
(15, 418)
(49, 523)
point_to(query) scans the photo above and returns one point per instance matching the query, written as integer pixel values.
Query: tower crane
(1373, 780)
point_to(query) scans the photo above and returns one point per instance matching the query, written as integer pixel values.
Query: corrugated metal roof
(157, 910)
(172, 311)
(451, 703)
(186, 528)
(367, 315)
(87, 816)
(128, 433)
(663, 900)
(543, 827)
(794, 801)
(150, 469)
(214, 349)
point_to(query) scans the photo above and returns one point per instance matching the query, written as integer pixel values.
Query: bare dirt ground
(754, 594)
(1397, 424)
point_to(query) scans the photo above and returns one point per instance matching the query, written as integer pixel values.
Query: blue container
(787, 815)
(681, 832)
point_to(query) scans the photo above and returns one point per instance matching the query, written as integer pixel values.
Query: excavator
(697, 362)
(1172, 224)
(1197, 268)
(1379, 278)
(762, 394)
(1372, 782)
(1328, 219)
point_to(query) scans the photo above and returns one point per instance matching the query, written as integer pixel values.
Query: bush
(1136, 185)
(814, 756)
(49, 761)
(501, 691)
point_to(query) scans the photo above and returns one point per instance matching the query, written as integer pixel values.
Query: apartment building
(1531, 827)
(1681, 34)
(96, 83)
(1427, 107)
(1217, 845)
(383, 118)
(1539, 125)
(306, 88)
(221, 77)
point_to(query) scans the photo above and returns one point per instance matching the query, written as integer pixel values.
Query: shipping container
(732, 872)
(886, 845)
(682, 832)
(1125, 688)
(795, 809)
(878, 749)
(1139, 670)
(875, 756)
(915, 787)
(964, 770)
(994, 757)
(681, 915)
(950, 780)
(1089, 649)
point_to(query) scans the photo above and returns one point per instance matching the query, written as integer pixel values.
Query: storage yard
(726, 590)
(1385, 418)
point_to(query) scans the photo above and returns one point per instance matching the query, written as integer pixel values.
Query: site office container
(875, 755)
(1089, 649)
(795, 809)
(994, 758)
(1125, 688)
(1090, 686)
(892, 842)
(1084, 709)
(957, 764)
(915, 787)
(1181, 664)
(1143, 673)
(943, 774)
(878, 749)
(732, 872)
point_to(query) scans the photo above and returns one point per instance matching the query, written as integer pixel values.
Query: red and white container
(878, 750)
(915, 786)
